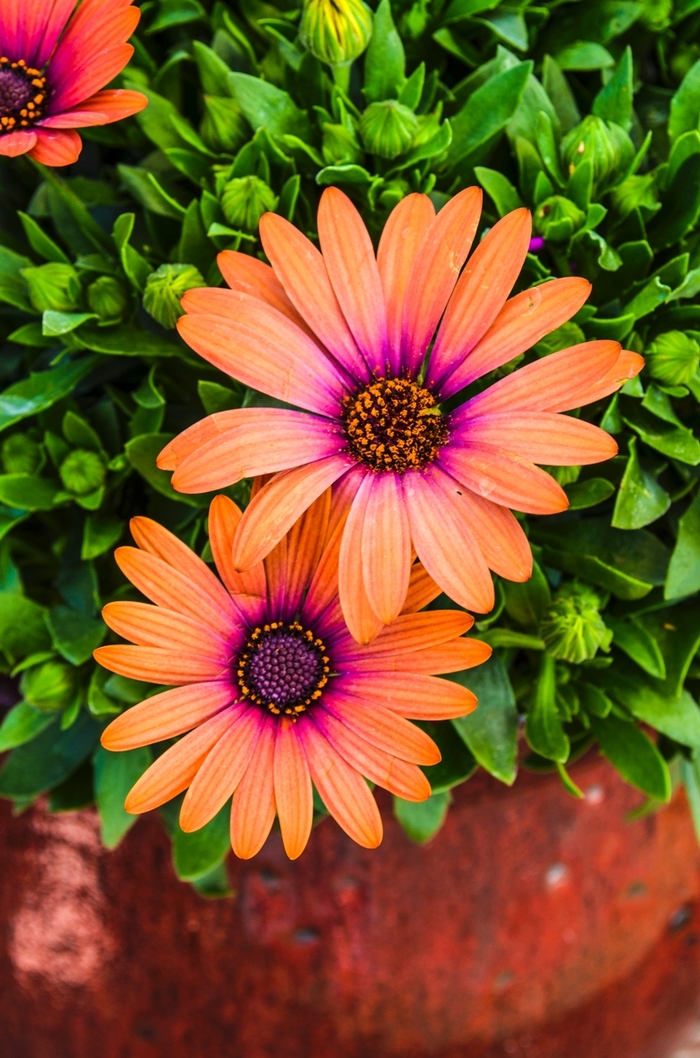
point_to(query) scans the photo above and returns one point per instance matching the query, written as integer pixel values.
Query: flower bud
(245, 199)
(48, 687)
(336, 31)
(165, 287)
(53, 286)
(108, 298)
(20, 454)
(572, 627)
(605, 144)
(388, 129)
(557, 218)
(82, 471)
(673, 358)
(340, 147)
(224, 128)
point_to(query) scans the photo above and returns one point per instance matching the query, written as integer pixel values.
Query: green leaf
(422, 820)
(487, 112)
(22, 724)
(676, 629)
(55, 323)
(199, 852)
(41, 390)
(680, 207)
(527, 601)
(649, 298)
(683, 576)
(266, 106)
(22, 627)
(385, 60)
(543, 729)
(39, 240)
(146, 189)
(568, 783)
(614, 101)
(584, 494)
(500, 189)
(457, 762)
(491, 731)
(214, 885)
(27, 493)
(634, 755)
(125, 341)
(142, 452)
(557, 88)
(100, 533)
(674, 441)
(81, 222)
(74, 635)
(685, 105)
(156, 119)
(115, 774)
(585, 55)
(217, 398)
(641, 499)
(638, 644)
(509, 26)
(135, 266)
(343, 174)
(48, 759)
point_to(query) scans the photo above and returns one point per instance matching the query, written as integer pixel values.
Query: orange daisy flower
(273, 691)
(54, 56)
(371, 347)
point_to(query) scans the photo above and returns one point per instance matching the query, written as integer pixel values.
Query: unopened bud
(605, 144)
(20, 454)
(165, 287)
(108, 298)
(53, 286)
(388, 128)
(336, 31)
(572, 627)
(245, 199)
(82, 471)
(557, 218)
(48, 687)
(673, 358)
(340, 147)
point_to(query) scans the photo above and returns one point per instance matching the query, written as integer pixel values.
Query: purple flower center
(23, 95)
(283, 668)
(394, 424)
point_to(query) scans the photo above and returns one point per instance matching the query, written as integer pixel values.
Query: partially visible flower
(371, 347)
(388, 128)
(336, 31)
(273, 691)
(164, 289)
(54, 56)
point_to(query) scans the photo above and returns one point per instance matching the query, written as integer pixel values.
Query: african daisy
(371, 348)
(54, 56)
(274, 693)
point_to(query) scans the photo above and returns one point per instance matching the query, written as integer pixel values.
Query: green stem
(341, 76)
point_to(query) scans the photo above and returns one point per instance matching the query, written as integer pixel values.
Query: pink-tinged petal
(30, 31)
(542, 437)
(522, 322)
(167, 715)
(262, 446)
(101, 109)
(362, 621)
(386, 547)
(159, 542)
(253, 807)
(265, 350)
(408, 633)
(152, 626)
(12, 144)
(627, 366)
(305, 545)
(222, 770)
(386, 731)
(456, 656)
(90, 72)
(399, 244)
(56, 147)
(173, 772)
(156, 665)
(302, 272)
(435, 270)
(293, 790)
(546, 384)
(323, 590)
(481, 293)
(444, 541)
(343, 790)
(498, 533)
(248, 275)
(349, 258)
(249, 589)
(411, 695)
(275, 509)
(422, 589)
(213, 426)
(504, 477)
(393, 774)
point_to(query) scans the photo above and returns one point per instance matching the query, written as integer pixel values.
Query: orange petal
(504, 478)
(349, 258)
(498, 533)
(362, 621)
(166, 715)
(155, 665)
(253, 808)
(152, 626)
(249, 589)
(627, 366)
(102, 108)
(305, 545)
(422, 589)
(343, 790)
(411, 632)
(543, 437)
(248, 275)
(445, 543)
(219, 775)
(386, 547)
(456, 656)
(383, 729)
(519, 325)
(56, 147)
(435, 270)
(12, 144)
(480, 293)
(400, 242)
(293, 792)
(303, 273)
(411, 695)
(173, 772)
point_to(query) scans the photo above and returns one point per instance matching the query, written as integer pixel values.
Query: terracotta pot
(534, 925)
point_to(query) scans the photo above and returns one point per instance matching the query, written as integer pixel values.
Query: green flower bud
(224, 128)
(605, 144)
(336, 31)
(108, 298)
(165, 287)
(557, 218)
(340, 147)
(572, 628)
(673, 358)
(245, 199)
(82, 471)
(53, 286)
(48, 687)
(21, 454)
(388, 129)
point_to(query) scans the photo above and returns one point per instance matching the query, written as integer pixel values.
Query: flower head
(273, 692)
(371, 348)
(336, 31)
(54, 58)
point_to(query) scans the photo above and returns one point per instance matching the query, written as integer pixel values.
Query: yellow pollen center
(283, 668)
(394, 424)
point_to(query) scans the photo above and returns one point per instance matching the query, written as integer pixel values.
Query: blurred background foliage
(587, 112)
